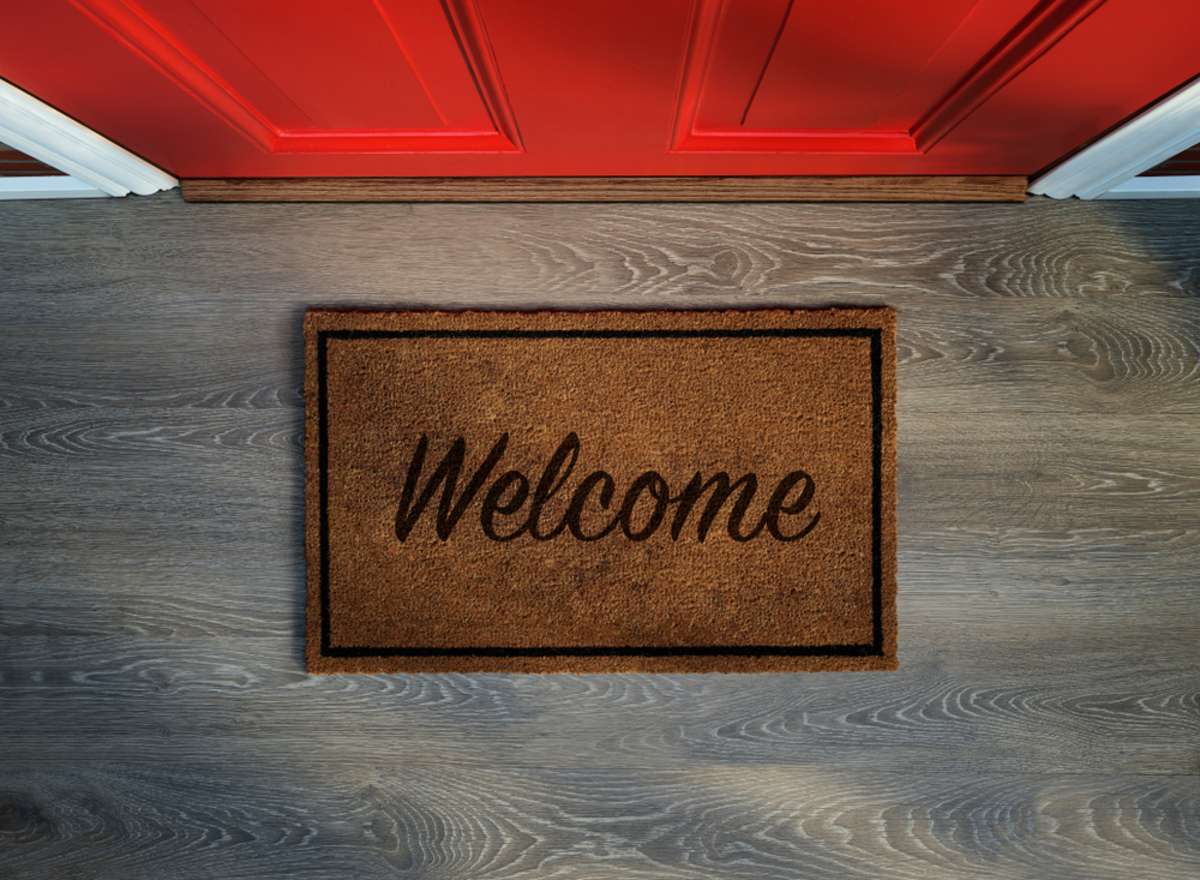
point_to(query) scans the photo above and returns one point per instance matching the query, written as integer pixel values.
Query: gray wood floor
(155, 721)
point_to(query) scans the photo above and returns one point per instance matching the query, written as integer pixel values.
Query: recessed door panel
(295, 76)
(844, 66)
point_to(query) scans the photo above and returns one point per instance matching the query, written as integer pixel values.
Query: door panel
(389, 75)
(282, 67)
(867, 77)
(666, 87)
(819, 68)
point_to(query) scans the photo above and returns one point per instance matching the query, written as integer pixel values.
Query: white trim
(40, 131)
(48, 187)
(1170, 126)
(1182, 186)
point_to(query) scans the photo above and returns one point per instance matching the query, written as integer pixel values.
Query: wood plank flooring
(155, 721)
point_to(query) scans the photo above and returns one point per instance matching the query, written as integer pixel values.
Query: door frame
(1111, 167)
(94, 166)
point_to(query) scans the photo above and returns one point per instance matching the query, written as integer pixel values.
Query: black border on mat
(873, 649)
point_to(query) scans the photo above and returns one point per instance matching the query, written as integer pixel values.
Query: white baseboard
(1183, 186)
(1169, 127)
(47, 187)
(38, 130)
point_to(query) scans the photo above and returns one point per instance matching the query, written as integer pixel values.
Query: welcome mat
(600, 491)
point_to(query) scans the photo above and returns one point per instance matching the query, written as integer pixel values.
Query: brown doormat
(600, 491)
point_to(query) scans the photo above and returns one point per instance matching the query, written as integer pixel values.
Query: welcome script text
(513, 506)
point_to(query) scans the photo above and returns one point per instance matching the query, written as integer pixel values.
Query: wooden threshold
(927, 188)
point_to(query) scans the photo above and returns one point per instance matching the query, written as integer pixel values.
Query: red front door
(258, 88)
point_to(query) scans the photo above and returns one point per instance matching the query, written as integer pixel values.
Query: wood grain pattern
(930, 188)
(155, 720)
(347, 819)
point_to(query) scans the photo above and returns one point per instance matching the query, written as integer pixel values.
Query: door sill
(927, 188)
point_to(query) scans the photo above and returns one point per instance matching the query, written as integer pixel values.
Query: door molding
(1110, 167)
(95, 165)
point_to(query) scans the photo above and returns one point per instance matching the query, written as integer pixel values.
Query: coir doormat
(600, 491)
